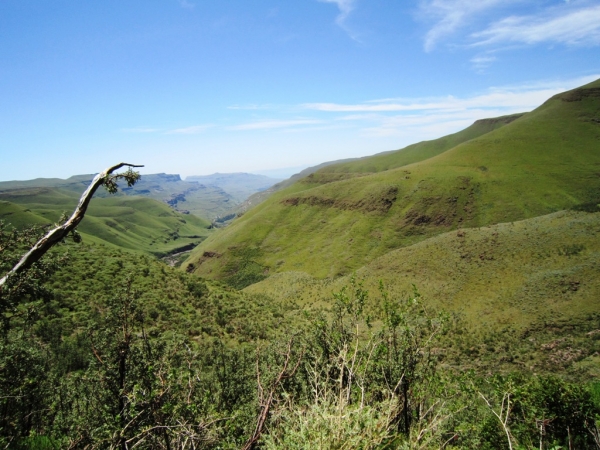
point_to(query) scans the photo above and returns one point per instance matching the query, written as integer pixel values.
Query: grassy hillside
(421, 150)
(536, 278)
(387, 160)
(260, 197)
(201, 200)
(332, 223)
(134, 223)
(83, 180)
(172, 300)
(521, 271)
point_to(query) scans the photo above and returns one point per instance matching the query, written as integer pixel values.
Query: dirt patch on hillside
(206, 256)
(502, 119)
(577, 95)
(380, 203)
(453, 208)
(330, 177)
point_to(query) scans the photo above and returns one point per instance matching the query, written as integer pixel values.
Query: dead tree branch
(503, 415)
(266, 405)
(55, 235)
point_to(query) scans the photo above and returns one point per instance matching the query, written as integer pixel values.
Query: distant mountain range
(239, 185)
(160, 214)
(208, 197)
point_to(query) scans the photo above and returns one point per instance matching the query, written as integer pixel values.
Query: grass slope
(421, 150)
(201, 200)
(536, 278)
(331, 223)
(521, 271)
(134, 223)
(260, 197)
(387, 160)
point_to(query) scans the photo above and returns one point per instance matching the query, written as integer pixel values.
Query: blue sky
(197, 86)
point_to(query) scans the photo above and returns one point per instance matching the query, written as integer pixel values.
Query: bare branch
(266, 405)
(60, 232)
(504, 414)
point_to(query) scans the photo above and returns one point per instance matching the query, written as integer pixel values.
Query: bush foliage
(105, 349)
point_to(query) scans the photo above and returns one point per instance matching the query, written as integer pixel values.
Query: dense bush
(115, 350)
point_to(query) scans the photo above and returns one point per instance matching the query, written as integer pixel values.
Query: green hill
(195, 198)
(261, 196)
(536, 278)
(134, 223)
(499, 230)
(421, 150)
(387, 160)
(534, 269)
(337, 220)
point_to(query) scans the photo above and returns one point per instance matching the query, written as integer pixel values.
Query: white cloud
(481, 62)
(450, 15)
(492, 98)
(370, 107)
(345, 7)
(526, 96)
(563, 25)
(434, 117)
(274, 124)
(195, 129)
(432, 124)
(422, 127)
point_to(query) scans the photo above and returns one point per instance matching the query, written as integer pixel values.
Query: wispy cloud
(568, 24)
(481, 62)
(493, 99)
(450, 15)
(140, 130)
(274, 124)
(432, 117)
(195, 129)
(345, 7)
(431, 125)
(377, 107)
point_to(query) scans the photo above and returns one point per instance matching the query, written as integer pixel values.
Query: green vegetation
(420, 151)
(201, 200)
(117, 350)
(135, 223)
(507, 274)
(330, 344)
(333, 222)
(108, 345)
